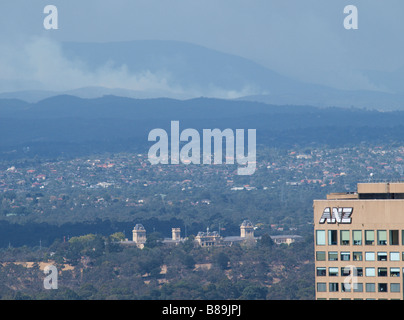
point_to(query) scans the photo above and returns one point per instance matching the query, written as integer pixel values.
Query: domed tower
(247, 229)
(139, 235)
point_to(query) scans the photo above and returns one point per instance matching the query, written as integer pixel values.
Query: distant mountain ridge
(183, 71)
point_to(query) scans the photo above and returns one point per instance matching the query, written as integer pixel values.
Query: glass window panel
(394, 272)
(345, 287)
(370, 287)
(393, 234)
(345, 271)
(320, 255)
(321, 287)
(382, 287)
(369, 237)
(382, 256)
(394, 256)
(394, 287)
(357, 256)
(345, 256)
(332, 237)
(381, 237)
(320, 237)
(333, 286)
(321, 271)
(333, 256)
(344, 237)
(369, 256)
(357, 237)
(358, 287)
(382, 272)
(370, 272)
(333, 271)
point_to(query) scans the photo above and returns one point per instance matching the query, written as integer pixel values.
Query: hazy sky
(304, 39)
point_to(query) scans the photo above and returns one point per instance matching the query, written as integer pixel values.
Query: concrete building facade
(359, 243)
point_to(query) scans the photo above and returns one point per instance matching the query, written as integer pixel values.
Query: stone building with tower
(139, 235)
(175, 237)
(175, 234)
(209, 238)
(213, 238)
(247, 230)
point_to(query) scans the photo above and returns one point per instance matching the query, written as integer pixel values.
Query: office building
(359, 243)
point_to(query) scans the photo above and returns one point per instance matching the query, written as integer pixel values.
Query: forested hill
(70, 125)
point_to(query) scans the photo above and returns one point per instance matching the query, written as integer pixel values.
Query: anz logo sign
(336, 215)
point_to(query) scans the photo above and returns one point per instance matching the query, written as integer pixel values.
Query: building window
(357, 256)
(333, 287)
(345, 256)
(394, 256)
(394, 287)
(394, 272)
(369, 237)
(382, 272)
(370, 287)
(332, 237)
(382, 287)
(381, 237)
(321, 271)
(333, 271)
(320, 237)
(370, 272)
(345, 271)
(321, 287)
(357, 237)
(369, 256)
(393, 235)
(333, 256)
(345, 287)
(320, 255)
(344, 237)
(359, 272)
(382, 256)
(358, 287)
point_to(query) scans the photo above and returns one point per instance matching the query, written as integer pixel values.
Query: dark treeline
(33, 234)
(70, 126)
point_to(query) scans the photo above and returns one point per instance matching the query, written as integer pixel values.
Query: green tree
(188, 261)
(221, 259)
(253, 292)
(265, 241)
